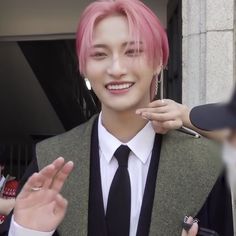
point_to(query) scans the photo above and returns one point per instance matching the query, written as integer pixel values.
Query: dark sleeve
(216, 213)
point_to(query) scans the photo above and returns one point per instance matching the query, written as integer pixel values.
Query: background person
(8, 187)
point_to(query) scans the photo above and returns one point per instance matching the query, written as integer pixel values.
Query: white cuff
(17, 230)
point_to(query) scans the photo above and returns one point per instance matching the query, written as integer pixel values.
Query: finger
(61, 204)
(49, 175)
(163, 109)
(59, 209)
(157, 126)
(172, 124)
(184, 233)
(194, 229)
(35, 180)
(155, 104)
(61, 176)
(158, 117)
(37, 199)
(189, 221)
(41, 178)
(158, 103)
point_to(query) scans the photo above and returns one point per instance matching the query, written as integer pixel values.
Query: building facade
(208, 59)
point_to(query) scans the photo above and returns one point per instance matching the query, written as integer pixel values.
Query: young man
(127, 180)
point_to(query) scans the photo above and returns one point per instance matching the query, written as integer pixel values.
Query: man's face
(119, 73)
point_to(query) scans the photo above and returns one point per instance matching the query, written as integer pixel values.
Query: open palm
(43, 209)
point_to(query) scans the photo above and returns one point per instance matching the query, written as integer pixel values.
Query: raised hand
(40, 206)
(165, 115)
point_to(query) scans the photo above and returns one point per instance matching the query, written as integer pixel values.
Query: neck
(123, 125)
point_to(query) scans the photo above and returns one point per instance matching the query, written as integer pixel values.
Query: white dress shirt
(138, 164)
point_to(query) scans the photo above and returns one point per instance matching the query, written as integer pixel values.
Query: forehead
(111, 30)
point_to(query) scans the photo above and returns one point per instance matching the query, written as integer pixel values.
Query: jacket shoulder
(65, 144)
(197, 150)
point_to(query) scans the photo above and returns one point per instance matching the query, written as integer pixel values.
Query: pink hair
(141, 22)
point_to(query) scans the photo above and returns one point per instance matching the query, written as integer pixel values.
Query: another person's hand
(165, 115)
(39, 206)
(193, 230)
(6, 205)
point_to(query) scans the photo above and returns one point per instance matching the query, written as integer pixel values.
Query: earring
(88, 84)
(161, 82)
(156, 84)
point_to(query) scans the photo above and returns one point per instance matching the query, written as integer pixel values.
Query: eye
(98, 55)
(133, 52)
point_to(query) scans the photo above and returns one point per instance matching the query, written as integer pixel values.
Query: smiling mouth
(119, 86)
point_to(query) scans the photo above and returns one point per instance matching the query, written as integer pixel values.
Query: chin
(121, 106)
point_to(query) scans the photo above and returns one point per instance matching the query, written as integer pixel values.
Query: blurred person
(221, 116)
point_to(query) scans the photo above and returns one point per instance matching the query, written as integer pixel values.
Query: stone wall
(208, 51)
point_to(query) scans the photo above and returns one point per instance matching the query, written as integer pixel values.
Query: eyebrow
(100, 45)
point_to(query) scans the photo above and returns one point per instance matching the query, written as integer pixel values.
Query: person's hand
(6, 205)
(165, 115)
(193, 230)
(39, 206)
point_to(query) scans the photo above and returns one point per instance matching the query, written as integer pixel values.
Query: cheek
(93, 71)
(142, 70)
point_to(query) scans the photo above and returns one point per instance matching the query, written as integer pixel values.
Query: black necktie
(119, 199)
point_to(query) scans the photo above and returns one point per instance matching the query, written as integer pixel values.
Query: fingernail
(138, 112)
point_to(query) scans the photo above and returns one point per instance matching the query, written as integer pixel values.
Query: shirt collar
(141, 144)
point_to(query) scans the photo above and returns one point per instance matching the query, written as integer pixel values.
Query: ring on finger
(35, 189)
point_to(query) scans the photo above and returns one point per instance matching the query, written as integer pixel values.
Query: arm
(6, 205)
(185, 114)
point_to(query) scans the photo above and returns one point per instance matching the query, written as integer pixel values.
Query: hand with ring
(40, 206)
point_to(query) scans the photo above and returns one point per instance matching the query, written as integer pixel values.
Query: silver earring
(156, 84)
(88, 84)
(161, 82)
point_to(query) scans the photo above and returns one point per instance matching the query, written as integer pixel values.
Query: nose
(116, 68)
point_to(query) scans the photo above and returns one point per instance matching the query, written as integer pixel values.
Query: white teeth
(119, 86)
